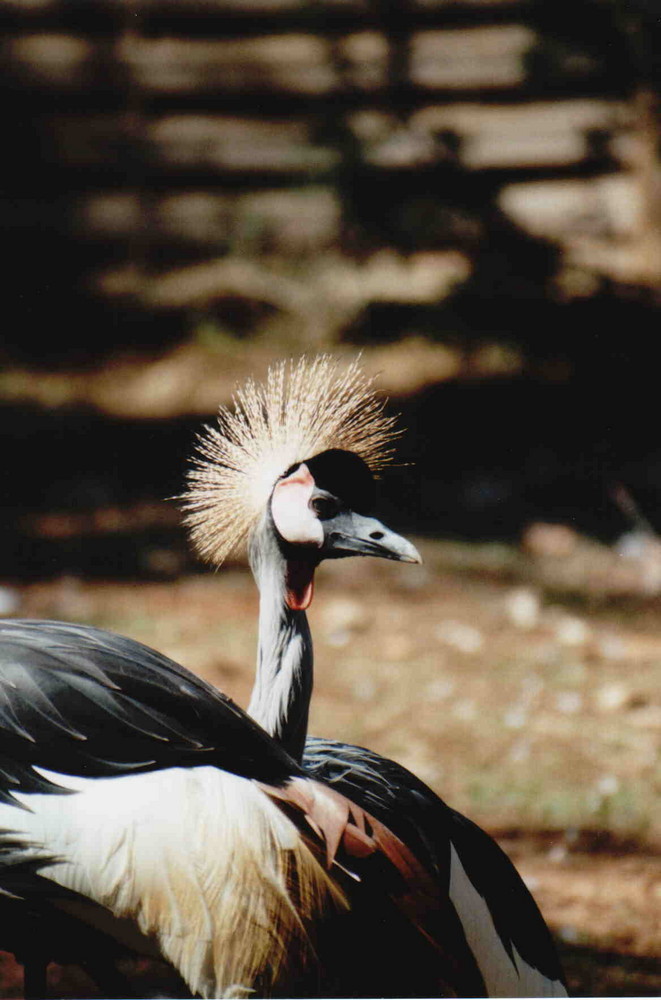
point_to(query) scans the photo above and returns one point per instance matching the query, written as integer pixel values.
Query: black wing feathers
(79, 700)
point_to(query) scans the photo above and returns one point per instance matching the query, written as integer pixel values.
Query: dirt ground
(522, 685)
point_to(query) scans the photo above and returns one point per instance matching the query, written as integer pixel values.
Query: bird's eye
(324, 507)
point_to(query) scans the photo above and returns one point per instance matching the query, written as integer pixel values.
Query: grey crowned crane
(147, 810)
(142, 812)
(291, 469)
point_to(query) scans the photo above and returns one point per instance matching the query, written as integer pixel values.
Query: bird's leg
(35, 977)
(116, 985)
(110, 981)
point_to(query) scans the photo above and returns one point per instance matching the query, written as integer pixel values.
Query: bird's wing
(82, 701)
(504, 935)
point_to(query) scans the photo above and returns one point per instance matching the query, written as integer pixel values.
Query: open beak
(351, 534)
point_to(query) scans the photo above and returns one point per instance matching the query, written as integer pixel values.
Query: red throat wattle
(299, 584)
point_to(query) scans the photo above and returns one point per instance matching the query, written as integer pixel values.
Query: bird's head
(296, 456)
(319, 511)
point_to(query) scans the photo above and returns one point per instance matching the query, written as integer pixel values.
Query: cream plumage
(227, 890)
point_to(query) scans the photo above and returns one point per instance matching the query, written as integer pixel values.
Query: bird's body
(144, 804)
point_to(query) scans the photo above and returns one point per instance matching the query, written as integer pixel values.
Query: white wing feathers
(202, 862)
(502, 977)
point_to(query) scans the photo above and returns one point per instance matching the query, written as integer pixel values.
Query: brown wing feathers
(348, 833)
(349, 840)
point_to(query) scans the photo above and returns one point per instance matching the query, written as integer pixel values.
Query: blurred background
(469, 193)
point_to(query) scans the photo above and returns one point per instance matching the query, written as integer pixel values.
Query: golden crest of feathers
(302, 409)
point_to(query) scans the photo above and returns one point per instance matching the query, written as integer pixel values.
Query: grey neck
(280, 699)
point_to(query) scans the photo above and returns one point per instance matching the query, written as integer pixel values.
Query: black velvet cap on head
(346, 476)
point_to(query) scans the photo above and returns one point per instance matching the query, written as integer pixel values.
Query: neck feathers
(281, 696)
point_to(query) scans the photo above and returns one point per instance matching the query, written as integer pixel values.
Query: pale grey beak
(351, 534)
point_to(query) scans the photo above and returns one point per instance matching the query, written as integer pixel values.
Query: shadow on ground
(595, 972)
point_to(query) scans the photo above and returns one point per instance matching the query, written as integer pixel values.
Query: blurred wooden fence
(152, 135)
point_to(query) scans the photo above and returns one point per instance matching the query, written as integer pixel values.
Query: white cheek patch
(292, 516)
